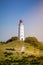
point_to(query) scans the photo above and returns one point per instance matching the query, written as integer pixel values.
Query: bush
(8, 54)
(12, 49)
(31, 40)
(12, 39)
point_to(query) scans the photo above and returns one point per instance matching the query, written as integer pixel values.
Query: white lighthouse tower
(21, 30)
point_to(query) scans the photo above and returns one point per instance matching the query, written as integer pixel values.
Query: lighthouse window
(21, 35)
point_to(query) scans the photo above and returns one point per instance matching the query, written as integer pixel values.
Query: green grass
(12, 53)
(17, 45)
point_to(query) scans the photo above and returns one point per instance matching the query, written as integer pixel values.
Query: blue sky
(30, 11)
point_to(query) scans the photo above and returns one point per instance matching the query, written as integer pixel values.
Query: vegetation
(33, 41)
(12, 39)
(10, 52)
(29, 60)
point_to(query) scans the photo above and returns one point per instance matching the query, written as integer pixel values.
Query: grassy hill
(12, 51)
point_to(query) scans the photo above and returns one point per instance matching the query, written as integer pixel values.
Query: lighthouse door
(21, 38)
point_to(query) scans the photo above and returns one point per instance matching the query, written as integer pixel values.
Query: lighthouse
(21, 30)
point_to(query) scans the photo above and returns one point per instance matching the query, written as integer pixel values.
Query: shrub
(31, 40)
(12, 39)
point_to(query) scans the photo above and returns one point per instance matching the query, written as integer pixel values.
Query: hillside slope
(17, 46)
(20, 53)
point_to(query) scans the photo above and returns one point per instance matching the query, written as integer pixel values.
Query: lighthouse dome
(21, 21)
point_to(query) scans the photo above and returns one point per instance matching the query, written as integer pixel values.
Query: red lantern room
(21, 22)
